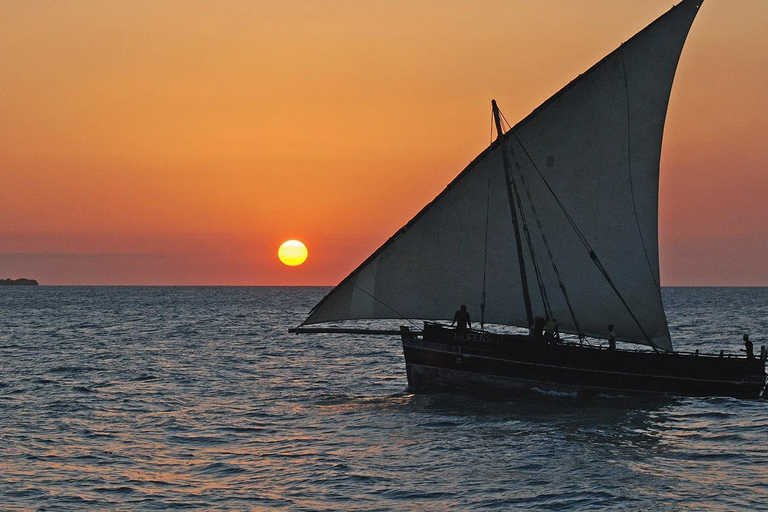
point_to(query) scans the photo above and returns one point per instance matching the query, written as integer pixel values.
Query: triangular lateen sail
(594, 148)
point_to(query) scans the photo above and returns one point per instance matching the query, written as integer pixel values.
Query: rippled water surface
(154, 398)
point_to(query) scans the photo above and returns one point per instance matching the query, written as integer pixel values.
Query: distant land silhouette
(18, 282)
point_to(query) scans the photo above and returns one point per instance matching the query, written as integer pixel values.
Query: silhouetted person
(461, 319)
(611, 338)
(551, 332)
(537, 328)
(748, 347)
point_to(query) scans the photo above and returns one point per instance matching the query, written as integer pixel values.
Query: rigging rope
(586, 244)
(403, 317)
(536, 268)
(526, 231)
(552, 260)
(511, 195)
(560, 282)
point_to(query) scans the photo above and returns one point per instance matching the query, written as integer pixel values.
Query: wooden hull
(444, 358)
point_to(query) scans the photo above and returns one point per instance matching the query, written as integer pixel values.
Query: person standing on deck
(461, 319)
(611, 338)
(748, 347)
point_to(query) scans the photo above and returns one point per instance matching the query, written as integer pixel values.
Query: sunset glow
(178, 142)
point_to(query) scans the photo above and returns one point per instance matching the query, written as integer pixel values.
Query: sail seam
(629, 169)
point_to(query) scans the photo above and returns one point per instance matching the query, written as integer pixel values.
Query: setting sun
(292, 253)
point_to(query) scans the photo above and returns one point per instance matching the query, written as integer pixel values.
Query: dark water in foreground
(155, 398)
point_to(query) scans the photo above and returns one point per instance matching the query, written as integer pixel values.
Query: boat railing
(575, 341)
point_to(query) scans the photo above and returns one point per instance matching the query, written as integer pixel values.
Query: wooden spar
(512, 194)
(340, 330)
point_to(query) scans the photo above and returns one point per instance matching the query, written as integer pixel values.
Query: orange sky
(181, 142)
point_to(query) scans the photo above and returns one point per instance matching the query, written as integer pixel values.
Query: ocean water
(134, 398)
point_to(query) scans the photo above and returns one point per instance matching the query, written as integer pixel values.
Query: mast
(512, 193)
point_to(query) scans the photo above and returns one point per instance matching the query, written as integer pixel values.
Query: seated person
(551, 332)
(537, 328)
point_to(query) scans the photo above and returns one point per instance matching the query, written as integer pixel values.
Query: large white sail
(586, 163)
